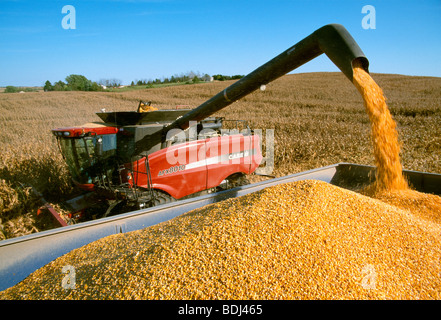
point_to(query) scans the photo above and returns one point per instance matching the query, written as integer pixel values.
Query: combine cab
(117, 160)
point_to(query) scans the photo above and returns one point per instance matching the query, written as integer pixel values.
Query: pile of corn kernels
(301, 240)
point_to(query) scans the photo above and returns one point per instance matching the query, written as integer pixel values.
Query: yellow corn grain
(383, 130)
(302, 240)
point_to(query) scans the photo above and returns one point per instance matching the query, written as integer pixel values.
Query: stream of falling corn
(301, 240)
(384, 134)
(390, 184)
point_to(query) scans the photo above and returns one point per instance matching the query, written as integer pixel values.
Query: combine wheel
(121, 206)
(117, 207)
(162, 197)
(236, 180)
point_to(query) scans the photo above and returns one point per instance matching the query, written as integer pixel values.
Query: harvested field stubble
(302, 240)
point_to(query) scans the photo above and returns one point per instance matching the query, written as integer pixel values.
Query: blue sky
(147, 39)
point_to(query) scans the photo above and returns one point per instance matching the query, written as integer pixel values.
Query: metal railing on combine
(136, 188)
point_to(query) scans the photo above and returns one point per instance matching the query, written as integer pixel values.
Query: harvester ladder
(136, 173)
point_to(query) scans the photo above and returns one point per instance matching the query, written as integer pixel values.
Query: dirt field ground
(318, 119)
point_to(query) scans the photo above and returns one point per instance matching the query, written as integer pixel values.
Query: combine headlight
(66, 133)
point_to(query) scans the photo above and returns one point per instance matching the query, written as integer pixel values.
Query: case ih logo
(237, 155)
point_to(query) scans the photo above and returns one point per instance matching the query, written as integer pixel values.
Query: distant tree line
(12, 89)
(221, 77)
(114, 83)
(74, 82)
(190, 77)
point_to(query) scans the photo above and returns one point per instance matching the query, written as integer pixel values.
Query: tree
(11, 89)
(110, 82)
(78, 83)
(48, 86)
(206, 77)
(95, 87)
(219, 77)
(59, 86)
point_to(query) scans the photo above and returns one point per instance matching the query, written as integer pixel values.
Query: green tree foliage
(48, 86)
(11, 89)
(74, 82)
(189, 77)
(221, 77)
(218, 77)
(95, 87)
(59, 86)
(78, 82)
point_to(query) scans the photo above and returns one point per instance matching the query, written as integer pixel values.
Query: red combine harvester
(130, 162)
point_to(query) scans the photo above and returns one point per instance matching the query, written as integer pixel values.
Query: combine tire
(237, 179)
(162, 197)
